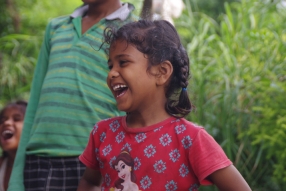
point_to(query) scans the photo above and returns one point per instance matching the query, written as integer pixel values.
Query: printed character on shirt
(124, 164)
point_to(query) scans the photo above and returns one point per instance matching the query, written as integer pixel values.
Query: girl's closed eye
(110, 65)
(2, 121)
(122, 62)
(18, 118)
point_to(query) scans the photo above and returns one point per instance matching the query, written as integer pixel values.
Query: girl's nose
(8, 121)
(113, 74)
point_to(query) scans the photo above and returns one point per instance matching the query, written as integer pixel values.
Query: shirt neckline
(147, 128)
(122, 13)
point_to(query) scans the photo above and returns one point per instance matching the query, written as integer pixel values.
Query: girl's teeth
(120, 94)
(7, 134)
(117, 87)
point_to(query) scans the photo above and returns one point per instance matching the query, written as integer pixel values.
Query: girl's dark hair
(20, 105)
(159, 41)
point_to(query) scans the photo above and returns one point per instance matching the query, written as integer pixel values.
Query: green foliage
(269, 127)
(5, 20)
(212, 8)
(234, 63)
(19, 52)
(35, 14)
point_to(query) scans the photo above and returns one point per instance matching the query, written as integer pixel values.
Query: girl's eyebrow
(122, 55)
(118, 57)
(17, 114)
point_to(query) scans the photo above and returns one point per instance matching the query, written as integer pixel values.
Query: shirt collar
(121, 13)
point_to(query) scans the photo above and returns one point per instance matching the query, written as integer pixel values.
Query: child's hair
(20, 105)
(159, 41)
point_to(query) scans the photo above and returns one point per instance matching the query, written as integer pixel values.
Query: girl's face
(133, 87)
(11, 125)
(123, 170)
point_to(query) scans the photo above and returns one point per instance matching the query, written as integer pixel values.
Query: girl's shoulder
(183, 124)
(184, 129)
(191, 124)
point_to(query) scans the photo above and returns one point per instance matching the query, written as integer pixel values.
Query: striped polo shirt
(71, 78)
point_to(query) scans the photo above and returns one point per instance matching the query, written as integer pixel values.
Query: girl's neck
(137, 120)
(149, 114)
(10, 159)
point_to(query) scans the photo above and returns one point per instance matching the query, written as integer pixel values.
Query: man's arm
(17, 176)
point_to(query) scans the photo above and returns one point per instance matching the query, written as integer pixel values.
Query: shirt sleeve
(17, 176)
(90, 153)
(206, 156)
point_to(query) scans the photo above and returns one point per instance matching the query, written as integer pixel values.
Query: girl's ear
(165, 71)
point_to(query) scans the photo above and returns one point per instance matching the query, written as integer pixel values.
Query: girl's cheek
(19, 129)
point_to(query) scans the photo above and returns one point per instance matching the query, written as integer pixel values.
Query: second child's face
(11, 125)
(132, 85)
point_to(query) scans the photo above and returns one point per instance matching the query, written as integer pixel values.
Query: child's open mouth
(119, 90)
(7, 134)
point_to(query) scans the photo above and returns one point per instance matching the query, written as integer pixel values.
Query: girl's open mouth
(7, 134)
(119, 90)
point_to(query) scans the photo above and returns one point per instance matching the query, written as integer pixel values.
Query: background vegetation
(238, 63)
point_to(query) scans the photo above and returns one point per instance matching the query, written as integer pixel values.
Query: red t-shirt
(174, 154)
